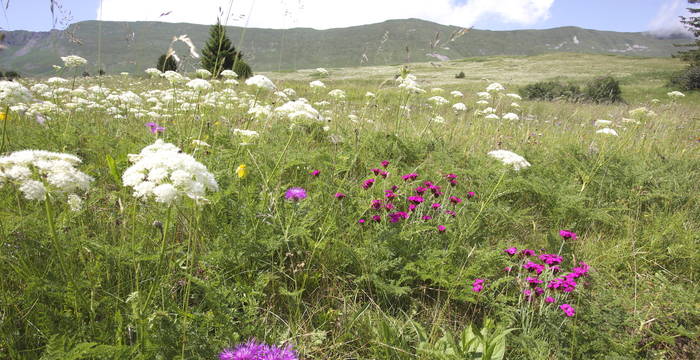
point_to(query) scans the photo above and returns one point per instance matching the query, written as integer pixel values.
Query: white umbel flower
(12, 93)
(438, 100)
(199, 84)
(163, 173)
(459, 107)
(337, 94)
(229, 74)
(261, 81)
(153, 72)
(203, 73)
(511, 117)
(38, 172)
(457, 94)
(173, 77)
(607, 131)
(510, 158)
(675, 94)
(299, 109)
(495, 87)
(73, 61)
(317, 84)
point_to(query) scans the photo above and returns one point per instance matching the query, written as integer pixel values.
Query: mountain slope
(135, 46)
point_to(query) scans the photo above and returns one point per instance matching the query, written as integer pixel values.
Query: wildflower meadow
(382, 213)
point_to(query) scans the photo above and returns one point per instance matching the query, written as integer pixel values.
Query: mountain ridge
(135, 46)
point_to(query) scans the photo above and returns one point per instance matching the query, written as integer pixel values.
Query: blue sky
(616, 15)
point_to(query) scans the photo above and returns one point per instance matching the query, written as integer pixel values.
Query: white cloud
(667, 21)
(324, 14)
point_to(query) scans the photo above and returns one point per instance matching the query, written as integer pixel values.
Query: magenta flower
(451, 213)
(415, 200)
(376, 204)
(508, 269)
(295, 194)
(471, 194)
(427, 184)
(538, 268)
(511, 251)
(385, 163)
(410, 177)
(565, 284)
(452, 179)
(551, 259)
(427, 217)
(527, 252)
(568, 235)
(478, 285)
(376, 171)
(389, 206)
(155, 128)
(441, 228)
(455, 200)
(568, 310)
(435, 189)
(367, 183)
(390, 195)
(316, 173)
(534, 281)
(383, 174)
(550, 300)
(252, 350)
(436, 206)
(412, 207)
(538, 291)
(340, 196)
(361, 221)
(421, 190)
(582, 270)
(527, 292)
(377, 218)
(397, 216)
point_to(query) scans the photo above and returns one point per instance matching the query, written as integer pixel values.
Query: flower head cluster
(12, 93)
(163, 172)
(73, 61)
(299, 109)
(295, 194)
(253, 350)
(510, 158)
(261, 82)
(38, 172)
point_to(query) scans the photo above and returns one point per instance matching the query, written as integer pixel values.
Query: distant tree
(219, 54)
(86, 74)
(692, 56)
(11, 75)
(166, 63)
(101, 72)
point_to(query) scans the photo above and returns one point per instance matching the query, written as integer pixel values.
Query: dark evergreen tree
(166, 63)
(692, 56)
(219, 54)
(242, 69)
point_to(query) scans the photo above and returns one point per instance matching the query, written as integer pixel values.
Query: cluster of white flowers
(261, 81)
(675, 95)
(39, 172)
(438, 100)
(229, 74)
(322, 72)
(409, 84)
(607, 131)
(459, 107)
(317, 84)
(12, 93)
(510, 158)
(457, 94)
(299, 109)
(642, 113)
(153, 72)
(73, 61)
(164, 173)
(248, 136)
(337, 94)
(199, 84)
(173, 77)
(203, 73)
(511, 117)
(495, 88)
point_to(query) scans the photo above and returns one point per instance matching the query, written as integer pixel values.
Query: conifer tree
(218, 53)
(693, 23)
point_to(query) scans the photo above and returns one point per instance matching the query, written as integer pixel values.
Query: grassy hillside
(121, 277)
(134, 46)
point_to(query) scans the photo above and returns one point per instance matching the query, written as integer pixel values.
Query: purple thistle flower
(376, 204)
(390, 194)
(551, 259)
(415, 200)
(550, 300)
(389, 206)
(361, 221)
(427, 217)
(527, 252)
(383, 174)
(436, 206)
(367, 184)
(478, 285)
(253, 350)
(316, 173)
(340, 196)
(376, 171)
(538, 268)
(377, 218)
(471, 194)
(455, 200)
(295, 194)
(451, 213)
(441, 228)
(385, 163)
(421, 190)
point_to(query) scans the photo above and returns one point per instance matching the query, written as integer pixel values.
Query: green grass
(253, 265)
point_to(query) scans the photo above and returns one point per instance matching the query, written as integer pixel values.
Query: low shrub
(604, 90)
(461, 75)
(551, 91)
(688, 79)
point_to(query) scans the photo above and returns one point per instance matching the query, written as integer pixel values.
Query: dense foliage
(165, 63)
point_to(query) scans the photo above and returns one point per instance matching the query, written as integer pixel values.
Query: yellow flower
(3, 116)
(242, 171)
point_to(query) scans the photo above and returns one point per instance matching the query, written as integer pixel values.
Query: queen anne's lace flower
(261, 81)
(38, 172)
(510, 158)
(199, 84)
(299, 109)
(73, 61)
(12, 93)
(162, 172)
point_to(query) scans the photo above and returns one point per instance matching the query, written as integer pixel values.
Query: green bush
(166, 63)
(604, 90)
(242, 69)
(552, 90)
(689, 79)
(461, 75)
